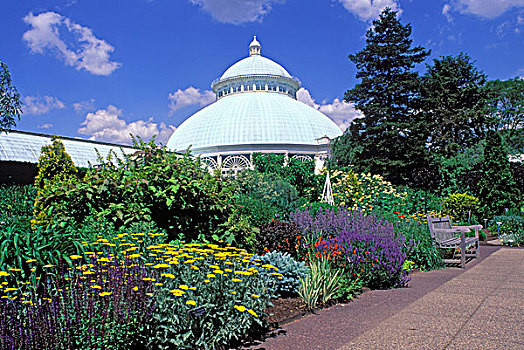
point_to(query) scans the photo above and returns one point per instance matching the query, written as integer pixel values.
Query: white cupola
(254, 47)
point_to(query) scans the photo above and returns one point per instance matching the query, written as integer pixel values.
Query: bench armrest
(477, 228)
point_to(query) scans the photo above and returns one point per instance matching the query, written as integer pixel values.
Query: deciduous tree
(10, 104)
(453, 102)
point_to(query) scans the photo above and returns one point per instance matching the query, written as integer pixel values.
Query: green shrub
(511, 231)
(277, 235)
(290, 269)
(54, 164)
(172, 190)
(300, 174)
(460, 206)
(263, 195)
(55, 169)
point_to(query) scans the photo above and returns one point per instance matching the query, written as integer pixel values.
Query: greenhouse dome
(256, 110)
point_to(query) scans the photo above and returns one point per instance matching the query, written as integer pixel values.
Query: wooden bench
(447, 236)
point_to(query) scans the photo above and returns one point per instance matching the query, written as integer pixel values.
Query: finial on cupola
(254, 47)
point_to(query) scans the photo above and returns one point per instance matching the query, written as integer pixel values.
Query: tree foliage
(386, 141)
(453, 102)
(506, 103)
(497, 188)
(10, 104)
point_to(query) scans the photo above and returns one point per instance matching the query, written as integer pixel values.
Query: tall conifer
(386, 140)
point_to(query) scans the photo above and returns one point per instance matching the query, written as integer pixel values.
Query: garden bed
(285, 310)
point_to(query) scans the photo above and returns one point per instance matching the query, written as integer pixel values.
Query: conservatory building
(256, 110)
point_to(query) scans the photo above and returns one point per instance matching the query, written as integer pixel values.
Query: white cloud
(188, 97)
(85, 51)
(445, 11)
(41, 105)
(84, 106)
(486, 8)
(340, 112)
(105, 125)
(368, 10)
(236, 11)
(45, 126)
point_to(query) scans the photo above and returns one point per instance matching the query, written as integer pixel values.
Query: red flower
(396, 212)
(402, 216)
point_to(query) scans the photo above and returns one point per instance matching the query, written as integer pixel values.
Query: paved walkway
(481, 307)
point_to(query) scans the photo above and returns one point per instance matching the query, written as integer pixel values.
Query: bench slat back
(440, 223)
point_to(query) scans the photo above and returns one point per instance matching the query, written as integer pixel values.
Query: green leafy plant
(154, 184)
(299, 173)
(260, 196)
(511, 231)
(320, 285)
(291, 271)
(16, 205)
(461, 206)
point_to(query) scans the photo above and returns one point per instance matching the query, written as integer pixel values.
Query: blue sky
(104, 69)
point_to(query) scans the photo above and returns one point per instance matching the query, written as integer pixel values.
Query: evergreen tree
(10, 105)
(386, 140)
(54, 164)
(453, 102)
(497, 188)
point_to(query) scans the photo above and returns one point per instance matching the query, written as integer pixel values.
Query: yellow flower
(135, 288)
(191, 302)
(158, 266)
(210, 275)
(207, 281)
(255, 296)
(158, 284)
(236, 280)
(134, 256)
(220, 272)
(103, 294)
(15, 269)
(30, 260)
(169, 275)
(240, 308)
(184, 287)
(3, 273)
(252, 312)
(10, 290)
(96, 287)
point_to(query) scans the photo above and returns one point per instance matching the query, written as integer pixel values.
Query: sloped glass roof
(23, 146)
(260, 117)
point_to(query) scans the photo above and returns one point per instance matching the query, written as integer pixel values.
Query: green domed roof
(253, 118)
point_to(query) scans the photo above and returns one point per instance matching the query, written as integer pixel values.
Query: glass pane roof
(253, 118)
(23, 146)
